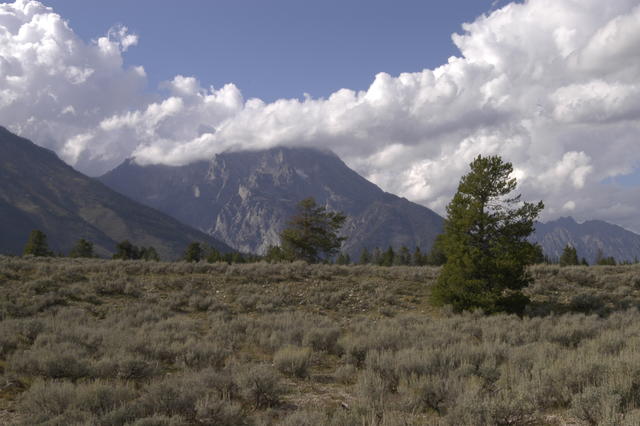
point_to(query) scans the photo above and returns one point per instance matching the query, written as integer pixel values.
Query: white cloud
(552, 85)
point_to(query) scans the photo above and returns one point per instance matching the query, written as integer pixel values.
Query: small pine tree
(37, 244)
(538, 255)
(365, 257)
(193, 253)
(149, 254)
(83, 248)
(387, 257)
(609, 260)
(312, 234)
(126, 251)
(234, 257)
(403, 258)
(275, 254)
(343, 259)
(418, 258)
(214, 255)
(376, 257)
(569, 256)
(437, 255)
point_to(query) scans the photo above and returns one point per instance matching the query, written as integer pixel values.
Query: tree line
(484, 248)
(37, 245)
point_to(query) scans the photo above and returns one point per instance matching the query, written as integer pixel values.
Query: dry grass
(114, 343)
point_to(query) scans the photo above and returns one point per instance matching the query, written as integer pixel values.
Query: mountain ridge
(244, 198)
(40, 191)
(372, 223)
(588, 238)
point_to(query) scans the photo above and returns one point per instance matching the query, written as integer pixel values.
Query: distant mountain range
(40, 191)
(238, 200)
(245, 198)
(588, 239)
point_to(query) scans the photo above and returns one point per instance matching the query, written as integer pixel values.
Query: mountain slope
(244, 198)
(587, 238)
(38, 190)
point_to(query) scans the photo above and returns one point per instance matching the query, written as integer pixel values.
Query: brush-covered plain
(129, 342)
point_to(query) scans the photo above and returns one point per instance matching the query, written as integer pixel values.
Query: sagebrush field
(103, 342)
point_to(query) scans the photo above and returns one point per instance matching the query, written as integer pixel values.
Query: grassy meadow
(102, 342)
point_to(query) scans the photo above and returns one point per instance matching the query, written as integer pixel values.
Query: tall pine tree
(485, 241)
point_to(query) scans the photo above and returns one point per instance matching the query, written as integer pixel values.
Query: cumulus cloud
(552, 85)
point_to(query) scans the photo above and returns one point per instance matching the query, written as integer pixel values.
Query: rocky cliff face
(587, 238)
(245, 198)
(40, 191)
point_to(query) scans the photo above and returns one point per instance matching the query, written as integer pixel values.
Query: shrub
(372, 393)
(216, 411)
(425, 393)
(172, 396)
(72, 404)
(260, 385)
(293, 361)
(160, 420)
(54, 362)
(322, 339)
(47, 400)
(597, 406)
(345, 374)
(305, 418)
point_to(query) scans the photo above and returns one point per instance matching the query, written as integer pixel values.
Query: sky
(281, 48)
(407, 92)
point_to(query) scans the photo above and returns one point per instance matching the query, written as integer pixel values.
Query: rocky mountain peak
(246, 197)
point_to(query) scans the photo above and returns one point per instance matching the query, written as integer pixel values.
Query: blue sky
(279, 48)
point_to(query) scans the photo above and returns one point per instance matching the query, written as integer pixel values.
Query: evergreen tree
(83, 248)
(343, 259)
(37, 244)
(275, 254)
(436, 256)
(538, 255)
(193, 253)
(233, 257)
(403, 258)
(485, 241)
(418, 258)
(387, 257)
(126, 251)
(365, 257)
(609, 260)
(312, 234)
(376, 257)
(569, 256)
(149, 254)
(214, 255)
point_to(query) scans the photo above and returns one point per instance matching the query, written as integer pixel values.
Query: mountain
(245, 198)
(587, 238)
(40, 191)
